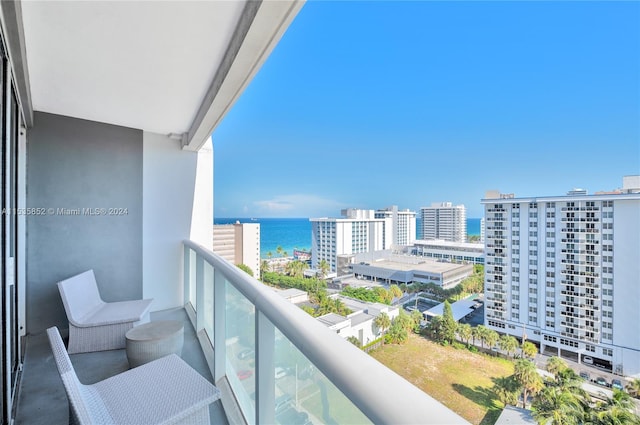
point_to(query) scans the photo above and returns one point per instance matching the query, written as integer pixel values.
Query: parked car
(283, 403)
(601, 381)
(587, 360)
(280, 372)
(244, 374)
(615, 383)
(245, 353)
(584, 375)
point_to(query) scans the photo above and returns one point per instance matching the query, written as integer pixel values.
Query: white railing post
(265, 379)
(219, 325)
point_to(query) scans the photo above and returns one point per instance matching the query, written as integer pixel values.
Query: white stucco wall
(177, 205)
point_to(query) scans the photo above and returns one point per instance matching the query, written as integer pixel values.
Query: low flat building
(457, 252)
(403, 269)
(360, 323)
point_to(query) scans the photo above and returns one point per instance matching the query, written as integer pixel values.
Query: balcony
(324, 376)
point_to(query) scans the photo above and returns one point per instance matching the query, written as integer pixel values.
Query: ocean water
(295, 233)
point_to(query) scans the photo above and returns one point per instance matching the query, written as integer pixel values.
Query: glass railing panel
(192, 278)
(303, 395)
(207, 293)
(240, 349)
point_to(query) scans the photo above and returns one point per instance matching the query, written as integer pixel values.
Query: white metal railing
(285, 367)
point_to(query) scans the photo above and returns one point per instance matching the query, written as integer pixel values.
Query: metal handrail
(381, 394)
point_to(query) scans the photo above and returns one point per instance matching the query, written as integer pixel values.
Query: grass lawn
(459, 379)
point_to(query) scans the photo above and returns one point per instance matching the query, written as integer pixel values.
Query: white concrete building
(565, 270)
(443, 220)
(360, 323)
(402, 225)
(238, 243)
(357, 231)
(449, 251)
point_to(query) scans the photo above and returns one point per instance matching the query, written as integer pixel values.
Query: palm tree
(465, 331)
(264, 267)
(555, 364)
(324, 268)
(481, 332)
(634, 387)
(382, 322)
(528, 378)
(476, 333)
(491, 337)
(279, 250)
(395, 291)
(269, 255)
(617, 410)
(508, 343)
(529, 349)
(557, 406)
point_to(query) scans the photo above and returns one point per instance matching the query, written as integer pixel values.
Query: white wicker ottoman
(154, 340)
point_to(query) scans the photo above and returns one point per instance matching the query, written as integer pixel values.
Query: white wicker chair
(93, 324)
(165, 391)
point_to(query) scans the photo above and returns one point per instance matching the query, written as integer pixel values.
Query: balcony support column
(265, 369)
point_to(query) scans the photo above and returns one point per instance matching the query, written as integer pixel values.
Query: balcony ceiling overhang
(170, 67)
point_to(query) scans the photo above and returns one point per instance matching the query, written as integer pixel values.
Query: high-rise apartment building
(238, 243)
(565, 271)
(444, 221)
(357, 231)
(402, 224)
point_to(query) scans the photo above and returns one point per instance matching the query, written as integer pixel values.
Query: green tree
(529, 349)
(324, 268)
(557, 406)
(279, 250)
(634, 387)
(395, 291)
(355, 341)
(476, 333)
(398, 332)
(464, 331)
(528, 378)
(617, 410)
(264, 267)
(449, 325)
(434, 329)
(269, 255)
(481, 332)
(555, 365)
(507, 389)
(245, 269)
(416, 317)
(508, 343)
(491, 338)
(382, 322)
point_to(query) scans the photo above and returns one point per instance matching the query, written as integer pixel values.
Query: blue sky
(371, 104)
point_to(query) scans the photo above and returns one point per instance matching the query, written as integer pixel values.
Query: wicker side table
(154, 340)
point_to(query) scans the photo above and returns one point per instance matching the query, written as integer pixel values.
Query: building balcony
(237, 333)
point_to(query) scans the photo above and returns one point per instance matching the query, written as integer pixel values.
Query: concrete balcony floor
(42, 399)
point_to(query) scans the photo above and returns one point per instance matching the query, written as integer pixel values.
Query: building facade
(238, 243)
(402, 225)
(564, 271)
(443, 220)
(357, 231)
